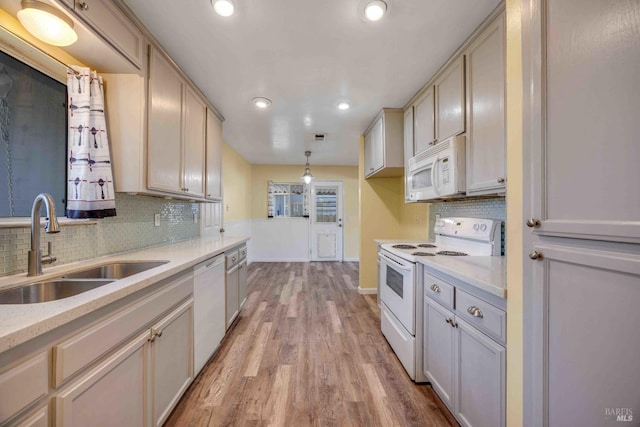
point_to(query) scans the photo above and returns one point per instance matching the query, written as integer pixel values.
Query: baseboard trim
(280, 260)
(351, 259)
(367, 291)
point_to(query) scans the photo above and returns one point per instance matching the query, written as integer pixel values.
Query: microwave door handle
(434, 177)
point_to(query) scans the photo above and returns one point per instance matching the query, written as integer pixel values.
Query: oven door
(397, 288)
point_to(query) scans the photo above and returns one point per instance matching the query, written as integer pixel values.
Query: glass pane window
(326, 204)
(286, 200)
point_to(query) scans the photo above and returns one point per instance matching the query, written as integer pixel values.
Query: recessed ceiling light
(343, 105)
(261, 102)
(223, 7)
(375, 10)
(47, 23)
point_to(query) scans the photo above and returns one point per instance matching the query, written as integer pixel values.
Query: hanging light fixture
(47, 23)
(307, 177)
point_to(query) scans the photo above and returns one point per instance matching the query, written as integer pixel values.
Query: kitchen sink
(114, 270)
(50, 290)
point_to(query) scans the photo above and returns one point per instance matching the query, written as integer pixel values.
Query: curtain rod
(48, 55)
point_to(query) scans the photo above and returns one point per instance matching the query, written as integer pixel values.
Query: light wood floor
(307, 351)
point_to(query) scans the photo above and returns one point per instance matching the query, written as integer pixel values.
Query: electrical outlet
(156, 220)
(195, 218)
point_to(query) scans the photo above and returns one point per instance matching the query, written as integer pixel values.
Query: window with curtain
(287, 200)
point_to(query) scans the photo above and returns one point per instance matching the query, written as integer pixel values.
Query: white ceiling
(306, 55)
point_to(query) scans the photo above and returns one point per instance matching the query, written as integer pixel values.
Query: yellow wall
(237, 185)
(262, 174)
(514, 215)
(384, 215)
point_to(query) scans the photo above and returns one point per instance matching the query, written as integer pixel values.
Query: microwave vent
(319, 137)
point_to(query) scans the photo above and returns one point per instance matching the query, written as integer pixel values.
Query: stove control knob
(483, 227)
(476, 227)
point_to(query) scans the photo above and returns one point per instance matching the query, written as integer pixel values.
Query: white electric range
(400, 280)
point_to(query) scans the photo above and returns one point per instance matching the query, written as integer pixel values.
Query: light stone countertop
(488, 273)
(22, 322)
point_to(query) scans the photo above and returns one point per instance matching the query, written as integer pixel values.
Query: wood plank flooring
(307, 351)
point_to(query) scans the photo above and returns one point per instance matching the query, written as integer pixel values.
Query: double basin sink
(75, 283)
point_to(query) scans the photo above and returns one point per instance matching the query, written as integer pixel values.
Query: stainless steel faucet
(36, 259)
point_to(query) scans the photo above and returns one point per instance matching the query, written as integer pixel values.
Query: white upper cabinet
(383, 145)
(194, 144)
(450, 105)
(408, 147)
(113, 26)
(214, 157)
(177, 132)
(164, 149)
(424, 125)
(485, 75)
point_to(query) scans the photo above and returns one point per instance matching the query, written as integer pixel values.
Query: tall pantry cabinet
(582, 245)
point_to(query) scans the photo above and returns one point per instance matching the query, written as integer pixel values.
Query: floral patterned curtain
(90, 192)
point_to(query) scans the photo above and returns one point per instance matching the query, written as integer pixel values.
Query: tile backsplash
(133, 228)
(493, 208)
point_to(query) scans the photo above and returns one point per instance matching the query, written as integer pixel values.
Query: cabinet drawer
(483, 315)
(242, 253)
(438, 290)
(74, 354)
(232, 259)
(22, 385)
(114, 27)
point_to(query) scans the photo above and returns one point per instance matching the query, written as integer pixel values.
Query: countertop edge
(126, 287)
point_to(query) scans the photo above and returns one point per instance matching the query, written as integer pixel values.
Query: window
(33, 137)
(287, 200)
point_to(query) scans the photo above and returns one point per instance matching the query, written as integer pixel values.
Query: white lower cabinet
(236, 283)
(466, 368)
(171, 360)
(481, 378)
(137, 385)
(242, 283)
(113, 393)
(439, 339)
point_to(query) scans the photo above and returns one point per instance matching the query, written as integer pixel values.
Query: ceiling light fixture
(375, 10)
(47, 23)
(223, 7)
(261, 102)
(343, 105)
(307, 177)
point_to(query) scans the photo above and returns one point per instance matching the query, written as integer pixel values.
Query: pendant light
(47, 23)
(307, 177)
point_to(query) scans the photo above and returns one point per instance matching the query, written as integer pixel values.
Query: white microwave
(438, 172)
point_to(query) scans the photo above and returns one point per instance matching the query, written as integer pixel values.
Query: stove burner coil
(404, 247)
(423, 254)
(426, 245)
(451, 253)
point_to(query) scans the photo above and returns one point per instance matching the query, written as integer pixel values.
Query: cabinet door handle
(159, 333)
(533, 222)
(501, 180)
(475, 311)
(448, 320)
(535, 255)
(435, 288)
(82, 5)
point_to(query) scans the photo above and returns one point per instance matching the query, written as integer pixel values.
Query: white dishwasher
(209, 323)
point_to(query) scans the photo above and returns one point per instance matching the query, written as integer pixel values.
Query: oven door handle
(383, 258)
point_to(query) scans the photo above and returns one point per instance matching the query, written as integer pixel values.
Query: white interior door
(326, 221)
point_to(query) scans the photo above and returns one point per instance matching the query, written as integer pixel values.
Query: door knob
(533, 223)
(339, 225)
(535, 255)
(501, 180)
